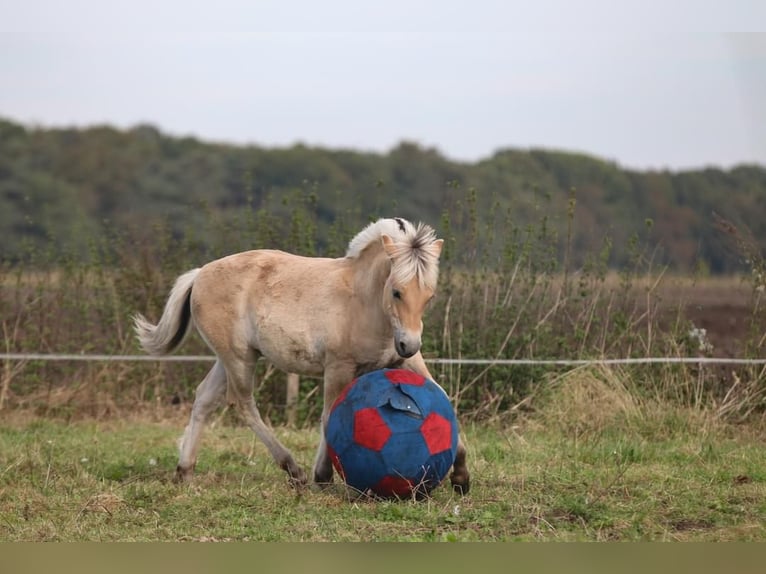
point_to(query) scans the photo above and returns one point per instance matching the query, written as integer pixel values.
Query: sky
(673, 85)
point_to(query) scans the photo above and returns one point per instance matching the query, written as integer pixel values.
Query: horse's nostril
(402, 348)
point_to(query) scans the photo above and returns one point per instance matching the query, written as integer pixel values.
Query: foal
(335, 318)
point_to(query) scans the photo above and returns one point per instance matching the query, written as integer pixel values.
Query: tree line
(63, 190)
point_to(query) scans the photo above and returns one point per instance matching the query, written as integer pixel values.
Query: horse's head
(410, 285)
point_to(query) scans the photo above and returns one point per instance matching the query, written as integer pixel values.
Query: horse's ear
(437, 247)
(388, 245)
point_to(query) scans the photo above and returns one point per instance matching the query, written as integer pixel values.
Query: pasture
(590, 461)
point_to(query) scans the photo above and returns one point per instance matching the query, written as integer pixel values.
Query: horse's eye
(397, 294)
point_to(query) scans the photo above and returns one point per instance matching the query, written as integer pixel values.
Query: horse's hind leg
(209, 394)
(240, 375)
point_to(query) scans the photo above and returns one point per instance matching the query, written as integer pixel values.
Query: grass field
(589, 461)
(658, 452)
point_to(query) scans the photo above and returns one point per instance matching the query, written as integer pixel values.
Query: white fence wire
(435, 361)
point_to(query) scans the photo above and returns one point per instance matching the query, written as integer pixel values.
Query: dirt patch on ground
(726, 309)
(727, 327)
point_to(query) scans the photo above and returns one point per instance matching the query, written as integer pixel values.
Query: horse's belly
(293, 352)
(298, 365)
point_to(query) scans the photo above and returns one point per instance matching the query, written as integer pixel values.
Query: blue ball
(392, 433)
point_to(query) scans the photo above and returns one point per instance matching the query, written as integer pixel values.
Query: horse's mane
(413, 255)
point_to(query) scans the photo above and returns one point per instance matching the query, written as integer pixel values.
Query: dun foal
(335, 318)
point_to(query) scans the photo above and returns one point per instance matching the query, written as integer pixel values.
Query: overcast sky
(666, 86)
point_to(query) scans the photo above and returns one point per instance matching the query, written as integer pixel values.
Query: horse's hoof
(323, 480)
(298, 486)
(297, 479)
(461, 484)
(183, 475)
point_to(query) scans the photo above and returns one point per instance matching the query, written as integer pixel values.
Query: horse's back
(261, 268)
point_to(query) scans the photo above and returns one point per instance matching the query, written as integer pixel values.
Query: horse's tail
(169, 332)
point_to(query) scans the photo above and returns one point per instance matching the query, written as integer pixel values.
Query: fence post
(291, 403)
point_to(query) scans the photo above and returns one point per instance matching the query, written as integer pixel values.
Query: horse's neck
(371, 270)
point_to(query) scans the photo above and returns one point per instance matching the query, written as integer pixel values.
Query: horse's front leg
(460, 477)
(336, 377)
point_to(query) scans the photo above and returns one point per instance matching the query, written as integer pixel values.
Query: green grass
(111, 481)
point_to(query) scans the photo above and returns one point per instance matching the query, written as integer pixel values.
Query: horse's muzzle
(406, 347)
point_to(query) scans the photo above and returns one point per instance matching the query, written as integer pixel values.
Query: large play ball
(392, 433)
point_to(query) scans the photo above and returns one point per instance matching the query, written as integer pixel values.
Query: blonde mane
(413, 256)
